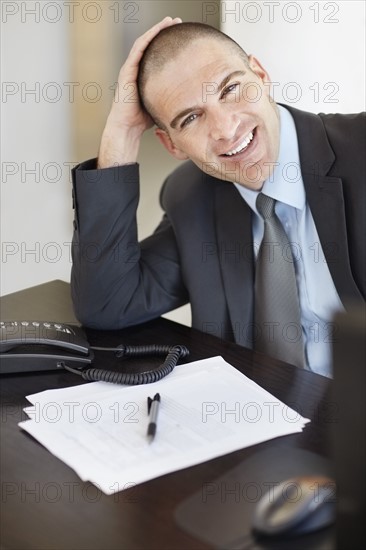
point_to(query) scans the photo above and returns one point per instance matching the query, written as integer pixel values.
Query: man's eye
(188, 120)
(229, 89)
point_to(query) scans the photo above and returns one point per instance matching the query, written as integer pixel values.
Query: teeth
(242, 146)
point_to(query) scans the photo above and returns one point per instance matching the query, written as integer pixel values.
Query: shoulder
(343, 134)
(346, 130)
(347, 137)
(342, 130)
(339, 120)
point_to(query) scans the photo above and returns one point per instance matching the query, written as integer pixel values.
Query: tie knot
(265, 206)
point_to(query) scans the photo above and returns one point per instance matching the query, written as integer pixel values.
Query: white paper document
(207, 409)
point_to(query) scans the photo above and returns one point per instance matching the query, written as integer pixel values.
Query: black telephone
(27, 346)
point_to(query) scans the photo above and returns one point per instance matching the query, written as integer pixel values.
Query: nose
(223, 124)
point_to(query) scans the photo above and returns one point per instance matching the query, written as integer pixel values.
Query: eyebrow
(222, 85)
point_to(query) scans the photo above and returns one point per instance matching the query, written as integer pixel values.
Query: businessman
(264, 225)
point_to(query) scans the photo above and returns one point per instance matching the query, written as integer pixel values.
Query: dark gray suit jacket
(202, 252)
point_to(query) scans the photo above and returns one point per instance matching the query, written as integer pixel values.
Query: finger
(130, 69)
(144, 40)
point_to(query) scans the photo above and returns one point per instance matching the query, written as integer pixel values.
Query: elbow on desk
(102, 320)
(94, 321)
(103, 314)
(91, 312)
(91, 307)
(95, 316)
(121, 305)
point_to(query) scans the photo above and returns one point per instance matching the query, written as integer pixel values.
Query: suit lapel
(234, 238)
(325, 197)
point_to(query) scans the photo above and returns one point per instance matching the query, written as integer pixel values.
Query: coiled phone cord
(173, 354)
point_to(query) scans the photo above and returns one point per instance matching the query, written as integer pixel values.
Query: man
(263, 232)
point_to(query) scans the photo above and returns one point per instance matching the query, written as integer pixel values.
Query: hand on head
(127, 121)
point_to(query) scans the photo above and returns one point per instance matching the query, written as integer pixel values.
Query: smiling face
(216, 111)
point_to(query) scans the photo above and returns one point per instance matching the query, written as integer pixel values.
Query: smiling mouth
(241, 147)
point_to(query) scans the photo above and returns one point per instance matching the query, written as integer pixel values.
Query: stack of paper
(208, 409)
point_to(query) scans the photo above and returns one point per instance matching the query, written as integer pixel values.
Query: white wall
(35, 145)
(314, 52)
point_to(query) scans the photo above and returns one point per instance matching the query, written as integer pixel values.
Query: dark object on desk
(349, 427)
(296, 506)
(221, 513)
(173, 354)
(27, 346)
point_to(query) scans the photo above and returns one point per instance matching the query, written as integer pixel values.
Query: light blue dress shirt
(319, 299)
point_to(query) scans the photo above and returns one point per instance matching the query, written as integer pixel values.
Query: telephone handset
(27, 346)
(41, 345)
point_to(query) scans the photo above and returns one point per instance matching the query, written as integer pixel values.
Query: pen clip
(150, 401)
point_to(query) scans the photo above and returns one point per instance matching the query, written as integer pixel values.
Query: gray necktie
(277, 308)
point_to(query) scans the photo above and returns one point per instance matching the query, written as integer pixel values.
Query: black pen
(153, 410)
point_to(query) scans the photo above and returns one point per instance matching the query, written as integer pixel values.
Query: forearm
(119, 145)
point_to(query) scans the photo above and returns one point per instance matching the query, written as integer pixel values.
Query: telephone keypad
(37, 324)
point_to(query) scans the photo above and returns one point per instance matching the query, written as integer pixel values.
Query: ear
(164, 138)
(257, 68)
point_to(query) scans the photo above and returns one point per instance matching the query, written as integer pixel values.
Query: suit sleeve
(116, 281)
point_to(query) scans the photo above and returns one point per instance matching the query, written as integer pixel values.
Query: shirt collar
(285, 183)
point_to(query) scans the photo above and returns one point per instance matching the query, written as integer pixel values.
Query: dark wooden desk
(45, 505)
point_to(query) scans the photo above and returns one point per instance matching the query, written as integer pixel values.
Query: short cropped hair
(167, 45)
